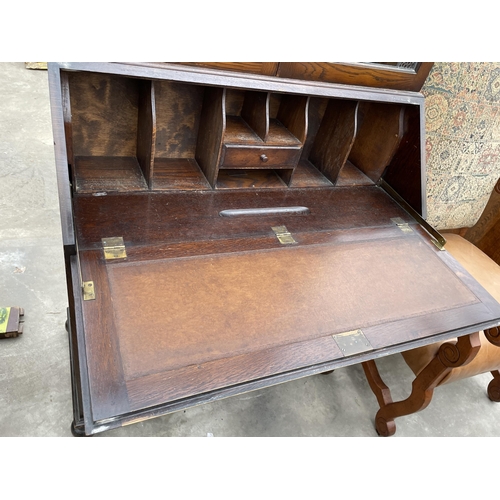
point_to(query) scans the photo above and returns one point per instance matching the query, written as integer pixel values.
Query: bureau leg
(494, 387)
(77, 430)
(448, 357)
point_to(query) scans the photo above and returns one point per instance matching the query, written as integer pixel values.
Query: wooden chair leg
(448, 357)
(494, 387)
(493, 335)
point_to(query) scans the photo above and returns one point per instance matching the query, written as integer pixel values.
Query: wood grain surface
(260, 157)
(255, 112)
(335, 138)
(249, 179)
(212, 128)
(66, 108)
(94, 174)
(59, 112)
(379, 134)
(178, 111)
(104, 112)
(293, 113)
(306, 175)
(350, 175)
(146, 130)
(108, 392)
(260, 68)
(356, 75)
(230, 372)
(191, 217)
(238, 132)
(178, 173)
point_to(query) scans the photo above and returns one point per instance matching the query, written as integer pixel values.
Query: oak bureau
(230, 226)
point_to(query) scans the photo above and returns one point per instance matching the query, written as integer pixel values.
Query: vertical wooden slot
(335, 138)
(255, 112)
(106, 141)
(178, 108)
(380, 131)
(293, 114)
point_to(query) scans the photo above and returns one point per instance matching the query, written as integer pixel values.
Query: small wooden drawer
(259, 157)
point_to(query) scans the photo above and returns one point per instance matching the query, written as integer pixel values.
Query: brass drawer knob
(264, 158)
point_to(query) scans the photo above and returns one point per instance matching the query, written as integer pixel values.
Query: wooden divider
(146, 130)
(380, 129)
(129, 134)
(256, 112)
(212, 127)
(335, 138)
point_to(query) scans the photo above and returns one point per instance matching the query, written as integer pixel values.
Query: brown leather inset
(179, 312)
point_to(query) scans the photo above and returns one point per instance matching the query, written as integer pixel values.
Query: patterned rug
(462, 141)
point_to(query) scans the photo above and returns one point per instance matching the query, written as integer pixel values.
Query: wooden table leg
(448, 357)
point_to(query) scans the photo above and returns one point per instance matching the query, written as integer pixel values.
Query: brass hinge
(88, 290)
(352, 342)
(114, 248)
(404, 226)
(436, 237)
(283, 235)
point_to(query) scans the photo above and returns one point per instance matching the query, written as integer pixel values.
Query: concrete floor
(35, 388)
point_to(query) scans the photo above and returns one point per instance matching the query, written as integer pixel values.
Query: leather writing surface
(178, 312)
